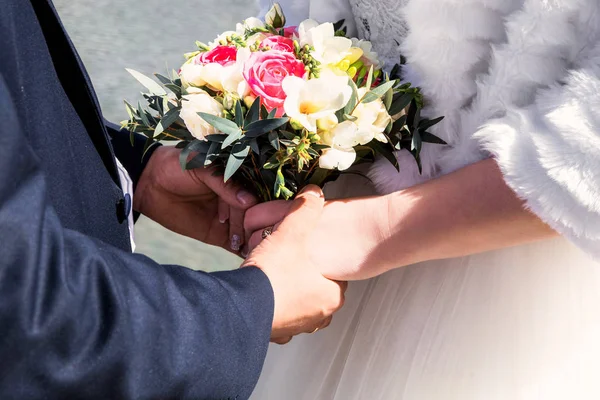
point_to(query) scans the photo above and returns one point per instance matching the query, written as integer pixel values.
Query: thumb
(304, 213)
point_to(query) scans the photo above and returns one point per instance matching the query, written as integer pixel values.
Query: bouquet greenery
(280, 107)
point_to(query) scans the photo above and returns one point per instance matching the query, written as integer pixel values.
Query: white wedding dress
(518, 79)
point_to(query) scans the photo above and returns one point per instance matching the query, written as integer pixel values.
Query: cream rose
(199, 101)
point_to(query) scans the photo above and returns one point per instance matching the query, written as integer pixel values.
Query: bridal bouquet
(280, 107)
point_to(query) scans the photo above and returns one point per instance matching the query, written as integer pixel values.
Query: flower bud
(275, 17)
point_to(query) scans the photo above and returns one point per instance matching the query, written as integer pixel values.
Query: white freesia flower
(197, 100)
(337, 159)
(371, 118)
(309, 101)
(221, 38)
(342, 139)
(368, 53)
(329, 49)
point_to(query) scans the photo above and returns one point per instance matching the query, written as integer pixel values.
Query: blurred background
(149, 36)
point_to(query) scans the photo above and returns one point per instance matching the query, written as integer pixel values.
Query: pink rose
(278, 43)
(290, 31)
(265, 70)
(223, 55)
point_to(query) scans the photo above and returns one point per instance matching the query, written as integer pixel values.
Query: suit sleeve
(131, 155)
(82, 319)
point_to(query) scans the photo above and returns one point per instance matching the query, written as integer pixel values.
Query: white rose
(329, 49)
(217, 77)
(199, 101)
(191, 75)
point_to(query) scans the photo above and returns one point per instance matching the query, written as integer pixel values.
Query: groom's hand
(195, 203)
(304, 300)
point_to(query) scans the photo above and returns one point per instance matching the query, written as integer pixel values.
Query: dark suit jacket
(80, 316)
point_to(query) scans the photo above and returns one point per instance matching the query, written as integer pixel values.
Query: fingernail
(245, 198)
(236, 242)
(308, 190)
(222, 220)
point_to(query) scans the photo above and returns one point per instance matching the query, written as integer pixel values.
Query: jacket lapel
(75, 81)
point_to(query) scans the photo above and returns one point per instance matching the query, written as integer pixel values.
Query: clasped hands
(198, 204)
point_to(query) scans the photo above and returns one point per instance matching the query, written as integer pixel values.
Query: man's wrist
(145, 182)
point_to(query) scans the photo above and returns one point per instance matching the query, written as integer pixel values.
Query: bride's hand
(344, 240)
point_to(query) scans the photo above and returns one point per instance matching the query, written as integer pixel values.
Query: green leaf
(274, 140)
(232, 138)
(236, 159)
(196, 145)
(388, 98)
(385, 151)
(163, 79)
(425, 124)
(131, 111)
(239, 113)
(416, 142)
(351, 105)
(263, 126)
(148, 83)
(213, 153)
(379, 91)
(217, 137)
(264, 113)
(196, 162)
(254, 112)
(224, 125)
(171, 116)
(254, 146)
(288, 135)
(142, 115)
(427, 137)
(272, 114)
(176, 89)
(349, 117)
(370, 78)
(401, 103)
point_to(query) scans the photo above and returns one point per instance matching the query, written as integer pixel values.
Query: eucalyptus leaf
(196, 162)
(231, 138)
(261, 127)
(274, 140)
(239, 113)
(236, 159)
(142, 115)
(195, 145)
(213, 153)
(427, 137)
(254, 146)
(217, 137)
(351, 105)
(174, 88)
(254, 112)
(425, 124)
(400, 103)
(378, 92)
(388, 98)
(416, 142)
(163, 79)
(370, 78)
(148, 83)
(166, 121)
(224, 125)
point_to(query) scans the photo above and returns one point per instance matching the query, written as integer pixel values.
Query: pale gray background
(149, 35)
